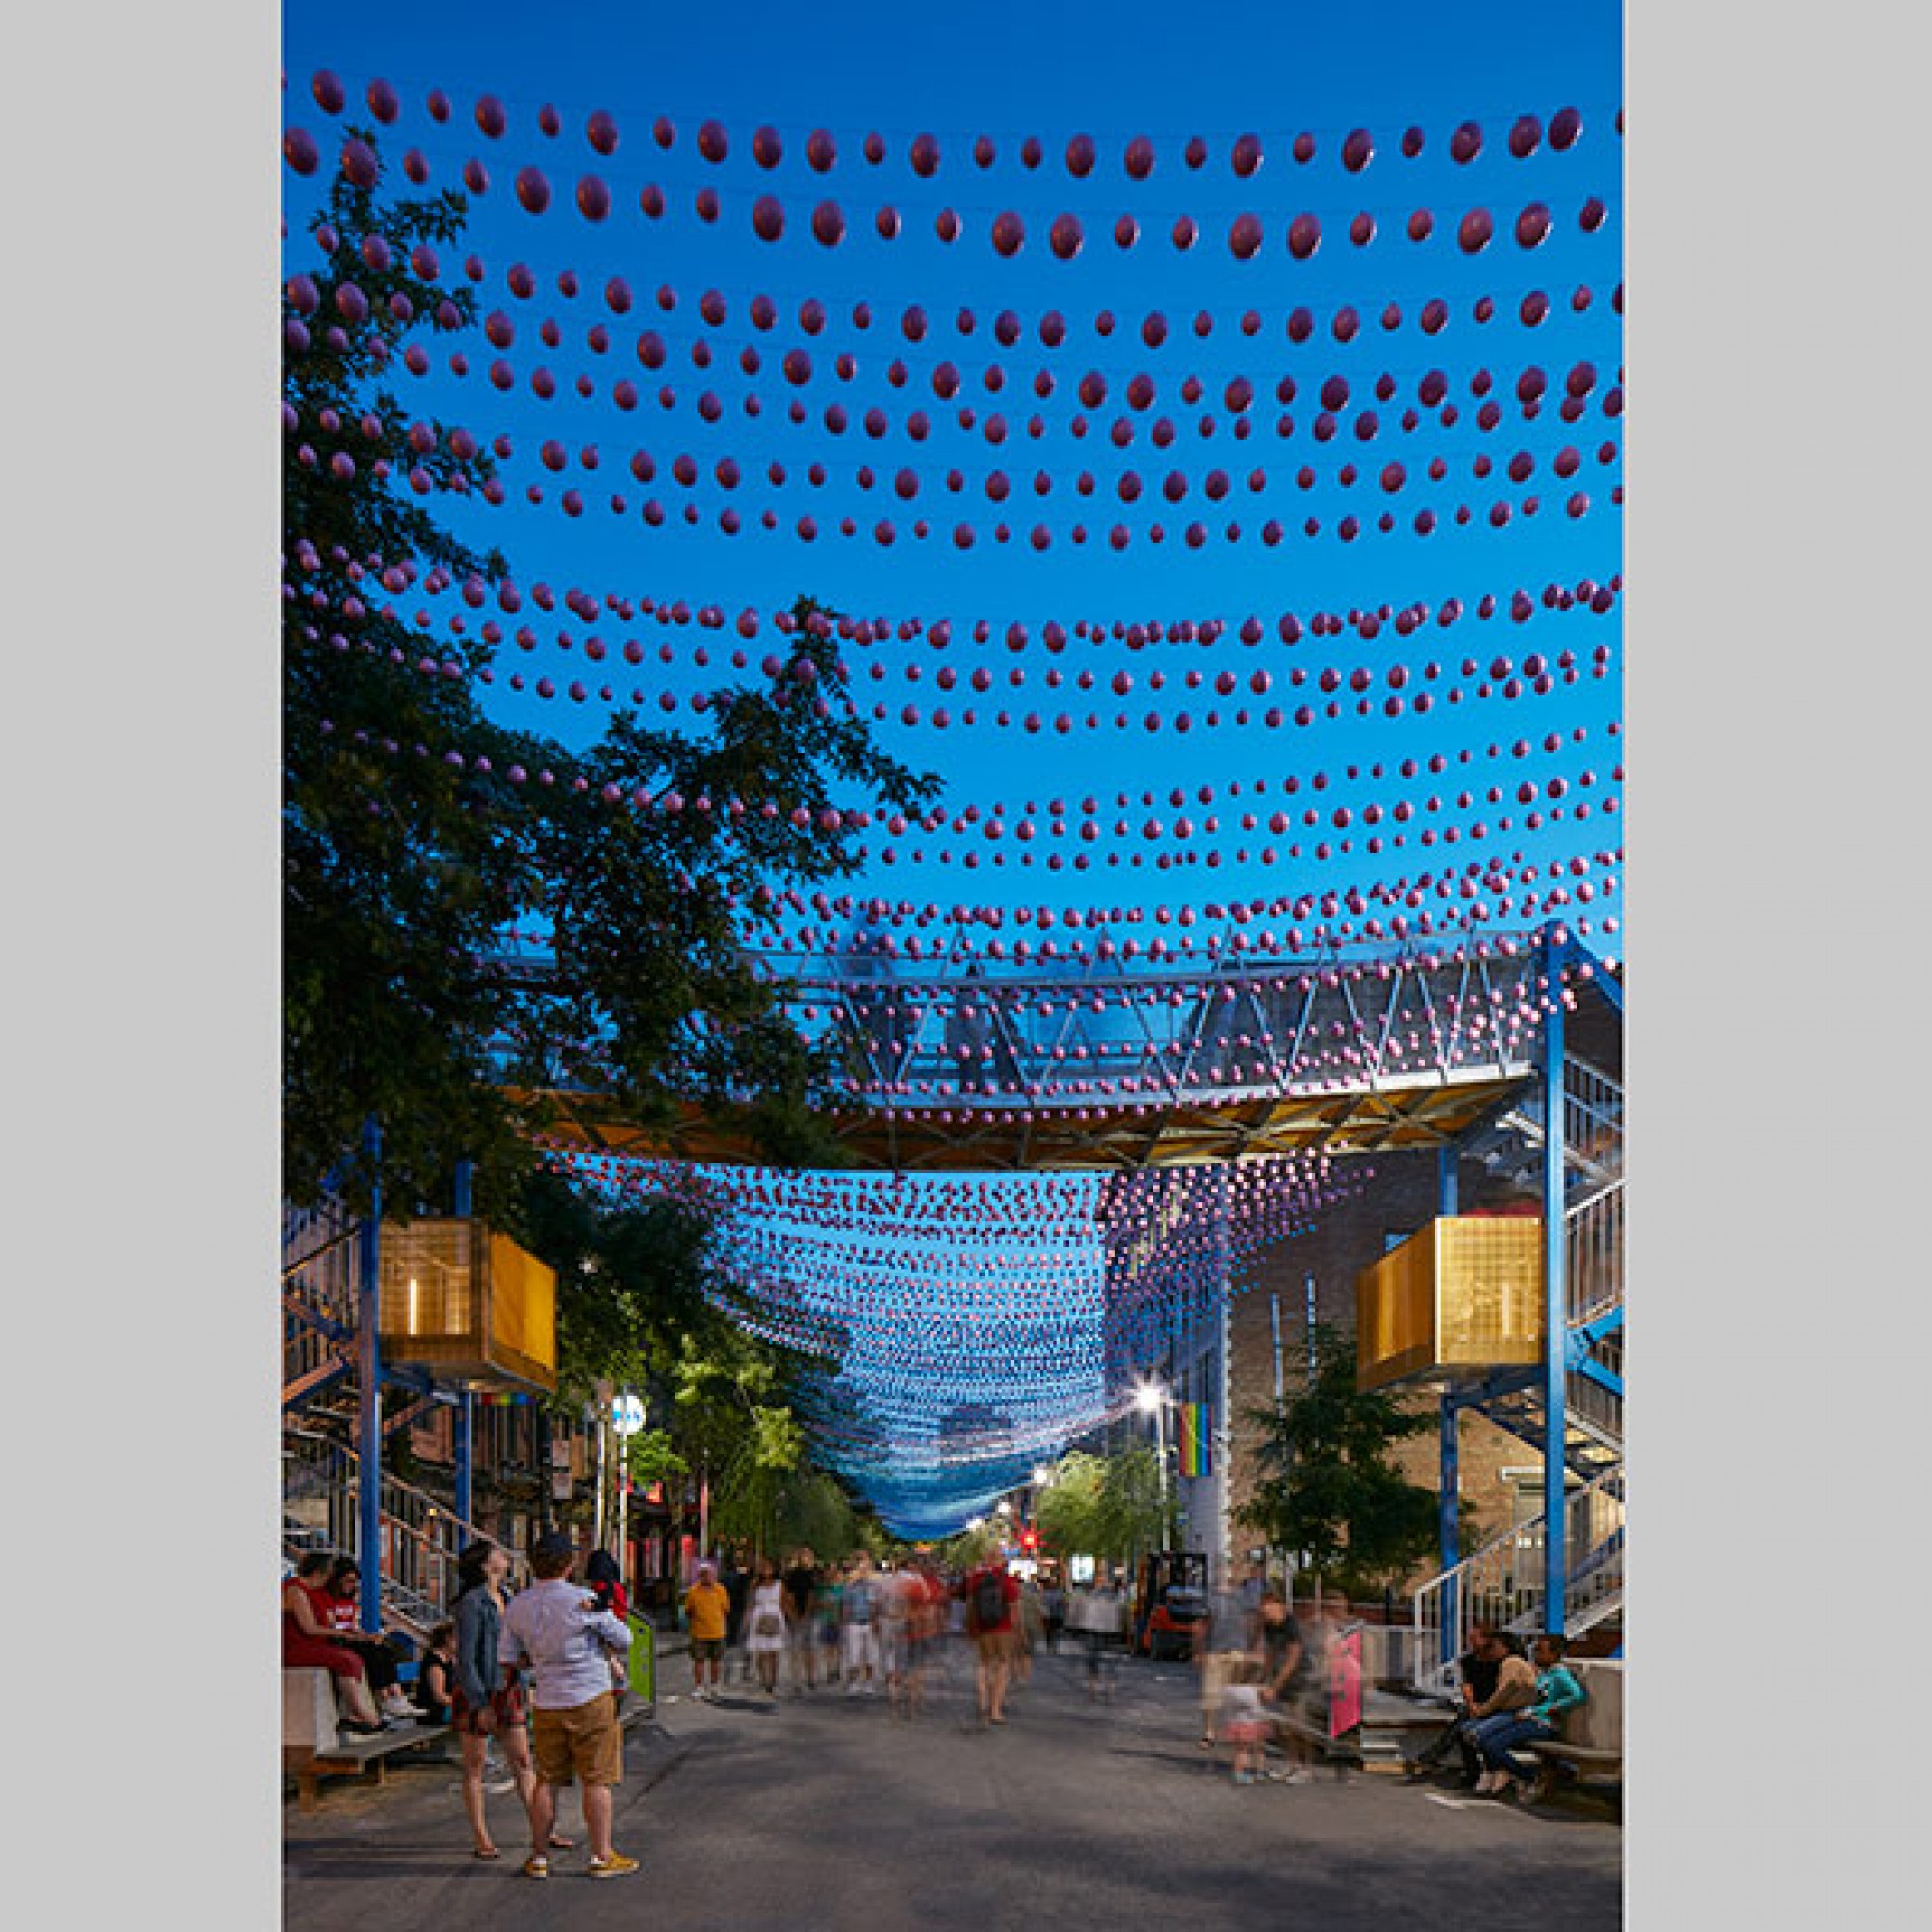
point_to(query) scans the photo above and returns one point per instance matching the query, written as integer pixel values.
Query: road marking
(1454, 1804)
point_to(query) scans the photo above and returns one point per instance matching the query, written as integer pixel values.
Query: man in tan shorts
(557, 1629)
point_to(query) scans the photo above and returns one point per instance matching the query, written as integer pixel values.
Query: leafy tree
(1330, 1489)
(634, 1283)
(1068, 1510)
(1106, 1506)
(416, 830)
(968, 1548)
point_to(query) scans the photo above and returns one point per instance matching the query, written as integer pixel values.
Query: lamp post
(1151, 1399)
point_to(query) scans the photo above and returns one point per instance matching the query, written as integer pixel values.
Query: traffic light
(1030, 1541)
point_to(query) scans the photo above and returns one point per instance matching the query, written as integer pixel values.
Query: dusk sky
(1298, 415)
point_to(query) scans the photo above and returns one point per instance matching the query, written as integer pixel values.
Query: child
(608, 1593)
(1242, 1722)
(436, 1674)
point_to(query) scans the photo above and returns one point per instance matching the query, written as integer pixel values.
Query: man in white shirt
(556, 1629)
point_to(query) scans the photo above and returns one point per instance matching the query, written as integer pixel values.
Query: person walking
(557, 1628)
(1284, 1676)
(1240, 1720)
(925, 1625)
(707, 1615)
(860, 1611)
(992, 1619)
(801, 1594)
(1029, 1628)
(765, 1625)
(1053, 1604)
(486, 1695)
(1093, 1616)
(894, 1616)
(736, 1579)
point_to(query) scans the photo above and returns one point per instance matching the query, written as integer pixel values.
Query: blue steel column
(465, 1408)
(369, 1427)
(1448, 1175)
(1223, 1437)
(1555, 1300)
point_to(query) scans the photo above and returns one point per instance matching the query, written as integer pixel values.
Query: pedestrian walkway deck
(828, 1812)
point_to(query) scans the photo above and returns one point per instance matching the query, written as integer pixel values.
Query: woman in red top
(380, 1657)
(308, 1641)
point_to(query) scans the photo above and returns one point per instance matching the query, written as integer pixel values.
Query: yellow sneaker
(614, 1867)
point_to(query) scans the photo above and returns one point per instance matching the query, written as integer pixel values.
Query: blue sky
(1007, 72)
(1277, 73)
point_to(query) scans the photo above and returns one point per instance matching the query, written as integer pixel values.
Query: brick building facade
(1312, 1275)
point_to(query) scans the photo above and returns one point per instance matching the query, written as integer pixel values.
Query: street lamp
(1151, 1398)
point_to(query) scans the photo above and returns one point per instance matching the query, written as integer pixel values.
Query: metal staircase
(420, 1534)
(1502, 1583)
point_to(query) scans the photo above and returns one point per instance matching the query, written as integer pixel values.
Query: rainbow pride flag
(1197, 1438)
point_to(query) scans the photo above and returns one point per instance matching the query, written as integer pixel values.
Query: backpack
(990, 1601)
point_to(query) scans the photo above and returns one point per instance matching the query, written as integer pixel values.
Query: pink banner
(1344, 1683)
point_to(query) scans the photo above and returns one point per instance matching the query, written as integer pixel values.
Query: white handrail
(1501, 1583)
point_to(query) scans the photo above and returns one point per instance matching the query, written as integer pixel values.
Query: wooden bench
(1589, 1747)
(1390, 1721)
(315, 1745)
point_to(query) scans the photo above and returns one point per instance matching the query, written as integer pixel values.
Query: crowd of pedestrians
(540, 1675)
(871, 1629)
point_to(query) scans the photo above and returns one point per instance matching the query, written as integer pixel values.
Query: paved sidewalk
(821, 1813)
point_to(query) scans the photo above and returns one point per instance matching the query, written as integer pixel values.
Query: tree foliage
(1329, 1491)
(417, 829)
(1104, 1506)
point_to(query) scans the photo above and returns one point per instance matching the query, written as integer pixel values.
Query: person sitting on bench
(1497, 1679)
(379, 1652)
(309, 1643)
(1556, 1691)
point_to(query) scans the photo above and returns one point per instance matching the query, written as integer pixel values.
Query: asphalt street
(825, 1811)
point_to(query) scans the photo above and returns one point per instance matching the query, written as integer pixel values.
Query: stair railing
(1501, 1583)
